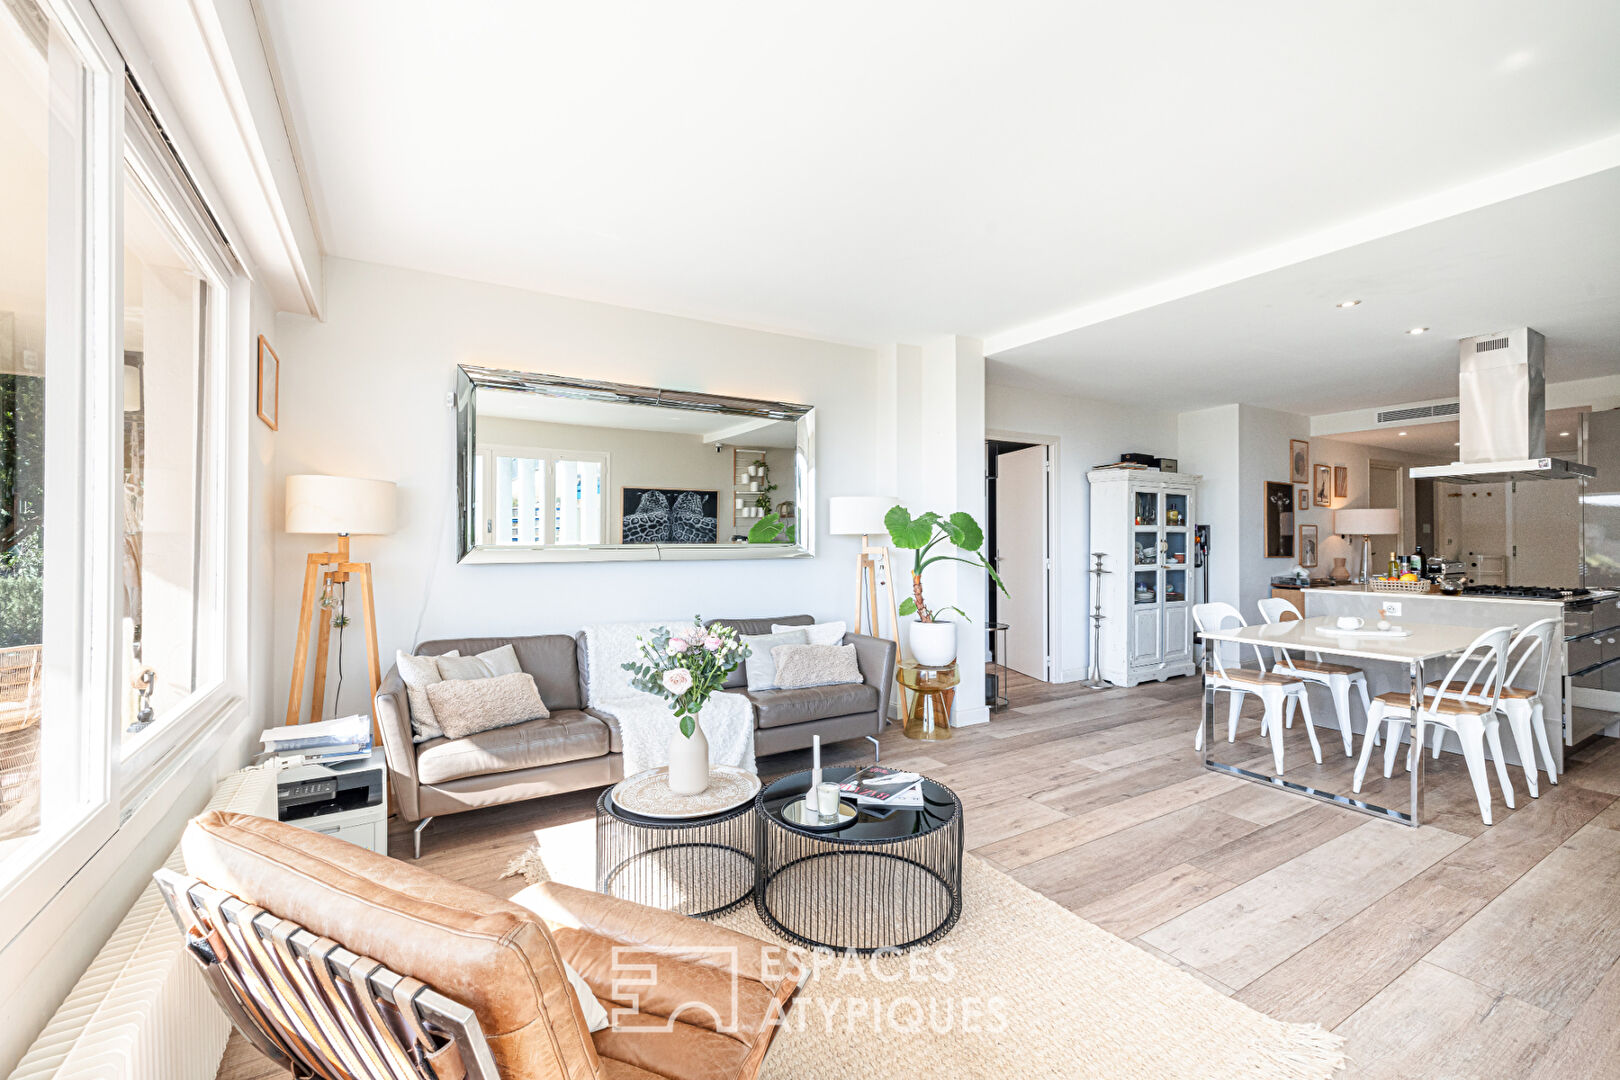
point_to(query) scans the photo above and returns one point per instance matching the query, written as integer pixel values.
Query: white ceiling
(541, 408)
(1550, 260)
(875, 172)
(1436, 443)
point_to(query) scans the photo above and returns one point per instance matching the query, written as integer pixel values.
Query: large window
(538, 497)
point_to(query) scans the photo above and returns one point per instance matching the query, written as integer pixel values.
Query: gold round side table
(927, 706)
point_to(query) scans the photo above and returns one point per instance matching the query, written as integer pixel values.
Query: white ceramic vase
(689, 760)
(933, 644)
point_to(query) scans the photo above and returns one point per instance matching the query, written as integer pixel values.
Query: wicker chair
(19, 687)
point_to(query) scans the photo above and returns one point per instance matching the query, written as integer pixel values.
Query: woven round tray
(647, 793)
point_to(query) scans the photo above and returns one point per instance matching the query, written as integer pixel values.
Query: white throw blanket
(646, 721)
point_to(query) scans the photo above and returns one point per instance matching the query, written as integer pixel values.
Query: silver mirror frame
(470, 378)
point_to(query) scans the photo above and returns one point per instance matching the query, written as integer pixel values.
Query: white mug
(1349, 622)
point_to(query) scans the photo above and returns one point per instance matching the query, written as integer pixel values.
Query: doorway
(1384, 490)
(1019, 503)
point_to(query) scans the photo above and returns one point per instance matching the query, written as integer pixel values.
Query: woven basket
(1389, 585)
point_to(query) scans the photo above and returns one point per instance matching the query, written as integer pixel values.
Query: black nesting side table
(890, 880)
(691, 866)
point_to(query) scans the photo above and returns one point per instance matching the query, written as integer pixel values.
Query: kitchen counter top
(1422, 597)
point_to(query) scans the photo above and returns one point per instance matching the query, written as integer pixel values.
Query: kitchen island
(1483, 612)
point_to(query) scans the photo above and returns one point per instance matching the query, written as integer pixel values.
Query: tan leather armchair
(688, 1001)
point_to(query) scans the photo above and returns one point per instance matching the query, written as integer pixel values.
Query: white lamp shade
(1383, 522)
(858, 515)
(339, 504)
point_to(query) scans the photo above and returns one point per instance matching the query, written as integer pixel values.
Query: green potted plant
(932, 638)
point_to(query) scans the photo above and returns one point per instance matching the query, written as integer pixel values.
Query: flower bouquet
(685, 667)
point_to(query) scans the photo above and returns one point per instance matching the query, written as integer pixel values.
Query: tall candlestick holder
(1094, 679)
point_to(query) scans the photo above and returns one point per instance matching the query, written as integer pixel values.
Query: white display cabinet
(1142, 525)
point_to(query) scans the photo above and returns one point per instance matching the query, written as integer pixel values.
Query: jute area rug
(1021, 988)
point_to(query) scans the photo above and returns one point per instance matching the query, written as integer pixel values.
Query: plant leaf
(908, 606)
(967, 535)
(907, 532)
(687, 726)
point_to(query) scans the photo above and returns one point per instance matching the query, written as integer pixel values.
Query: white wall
(364, 394)
(1208, 446)
(1086, 433)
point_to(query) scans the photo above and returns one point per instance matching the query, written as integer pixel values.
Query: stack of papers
(327, 742)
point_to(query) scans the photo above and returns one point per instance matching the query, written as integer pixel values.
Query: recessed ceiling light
(1418, 330)
(1348, 303)
(1456, 444)
(1563, 434)
(1401, 433)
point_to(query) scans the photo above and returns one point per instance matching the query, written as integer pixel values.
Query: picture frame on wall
(1341, 482)
(1299, 461)
(1307, 546)
(1304, 498)
(1324, 486)
(1279, 520)
(269, 392)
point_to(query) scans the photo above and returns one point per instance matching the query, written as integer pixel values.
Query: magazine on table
(879, 785)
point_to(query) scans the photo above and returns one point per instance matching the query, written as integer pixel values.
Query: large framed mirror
(553, 469)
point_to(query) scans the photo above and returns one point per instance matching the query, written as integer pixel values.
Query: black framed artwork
(1279, 520)
(669, 516)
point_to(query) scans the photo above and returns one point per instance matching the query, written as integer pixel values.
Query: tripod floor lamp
(343, 506)
(862, 515)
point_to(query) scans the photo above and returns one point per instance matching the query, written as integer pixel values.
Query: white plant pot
(932, 644)
(688, 761)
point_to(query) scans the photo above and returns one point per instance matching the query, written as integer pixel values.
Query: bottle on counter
(1394, 566)
(1415, 562)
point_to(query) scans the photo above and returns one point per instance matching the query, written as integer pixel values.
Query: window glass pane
(24, 165)
(520, 496)
(164, 308)
(579, 502)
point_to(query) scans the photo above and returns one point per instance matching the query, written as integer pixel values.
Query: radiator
(142, 1010)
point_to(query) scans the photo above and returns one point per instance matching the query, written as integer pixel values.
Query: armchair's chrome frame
(367, 996)
(470, 378)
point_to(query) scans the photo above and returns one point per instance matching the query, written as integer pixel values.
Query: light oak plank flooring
(1454, 950)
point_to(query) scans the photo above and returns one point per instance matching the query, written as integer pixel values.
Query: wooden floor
(1453, 950)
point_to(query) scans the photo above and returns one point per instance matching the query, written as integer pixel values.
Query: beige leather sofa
(578, 748)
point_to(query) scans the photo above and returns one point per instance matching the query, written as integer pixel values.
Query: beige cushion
(761, 664)
(566, 735)
(821, 633)
(465, 707)
(486, 665)
(418, 673)
(801, 666)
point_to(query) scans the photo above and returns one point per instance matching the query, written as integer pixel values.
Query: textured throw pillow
(822, 633)
(761, 664)
(467, 706)
(418, 673)
(501, 661)
(596, 1017)
(799, 666)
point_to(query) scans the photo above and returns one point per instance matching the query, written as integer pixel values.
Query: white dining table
(1424, 643)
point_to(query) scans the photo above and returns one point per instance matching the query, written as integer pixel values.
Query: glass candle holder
(827, 799)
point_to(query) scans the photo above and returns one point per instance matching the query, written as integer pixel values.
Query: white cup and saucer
(1349, 622)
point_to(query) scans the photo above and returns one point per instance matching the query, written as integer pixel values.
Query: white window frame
(488, 452)
(93, 788)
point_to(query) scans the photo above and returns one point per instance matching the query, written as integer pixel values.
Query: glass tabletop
(871, 824)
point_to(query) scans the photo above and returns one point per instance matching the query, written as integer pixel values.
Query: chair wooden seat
(1400, 699)
(1256, 678)
(1319, 667)
(1455, 688)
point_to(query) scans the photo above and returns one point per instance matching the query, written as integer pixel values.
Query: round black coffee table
(890, 880)
(692, 866)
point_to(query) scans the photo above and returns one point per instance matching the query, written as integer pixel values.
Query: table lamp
(344, 506)
(1369, 523)
(862, 515)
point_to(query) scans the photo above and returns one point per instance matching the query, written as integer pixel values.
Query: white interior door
(1021, 547)
(1545, 548)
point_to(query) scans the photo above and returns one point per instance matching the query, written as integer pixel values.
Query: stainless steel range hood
(1502, 421)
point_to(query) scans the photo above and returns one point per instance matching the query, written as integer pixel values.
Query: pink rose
(712, 643)
(678, 645)
(695, 634)
(677, 681)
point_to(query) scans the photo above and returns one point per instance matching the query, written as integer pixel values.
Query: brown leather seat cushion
(755, 626)
(568, 735)
(778, 708)
(491, 955)
(550, 658)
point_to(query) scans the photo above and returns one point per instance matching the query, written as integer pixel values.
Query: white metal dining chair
(1522, 705)
(1271, 688)
(1338, 678)
(1471, 713)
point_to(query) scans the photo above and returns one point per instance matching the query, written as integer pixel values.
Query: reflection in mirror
(556, 469)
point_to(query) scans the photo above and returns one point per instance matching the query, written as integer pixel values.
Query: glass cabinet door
(1175, 511)
(1175, 548)
(1145, 549)
(1175, 586)
(1147, 587)
(1147, 508)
